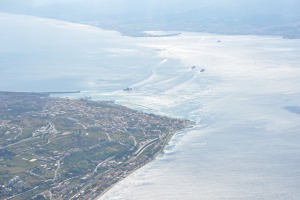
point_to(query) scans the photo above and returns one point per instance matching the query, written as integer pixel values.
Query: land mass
(60, 148)
(257, 17)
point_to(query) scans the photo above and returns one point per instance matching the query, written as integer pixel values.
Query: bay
(243, 94)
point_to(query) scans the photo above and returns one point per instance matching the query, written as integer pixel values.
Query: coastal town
(61, 148)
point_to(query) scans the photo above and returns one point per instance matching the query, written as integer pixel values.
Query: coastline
(160, 152)
(120, 157)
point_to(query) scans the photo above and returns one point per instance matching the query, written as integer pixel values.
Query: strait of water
(245, 103)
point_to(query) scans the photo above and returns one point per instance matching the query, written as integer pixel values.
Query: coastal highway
(142, 148)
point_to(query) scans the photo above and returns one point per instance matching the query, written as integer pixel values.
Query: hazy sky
(158, 4)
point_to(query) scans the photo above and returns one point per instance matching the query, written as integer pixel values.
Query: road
(58, 166)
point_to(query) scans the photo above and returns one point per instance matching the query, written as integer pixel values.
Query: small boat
(127, 89)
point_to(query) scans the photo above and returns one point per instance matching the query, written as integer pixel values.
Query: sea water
(243, 95)
(246, 143)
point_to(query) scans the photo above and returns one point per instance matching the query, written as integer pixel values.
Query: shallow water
(245, 144)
